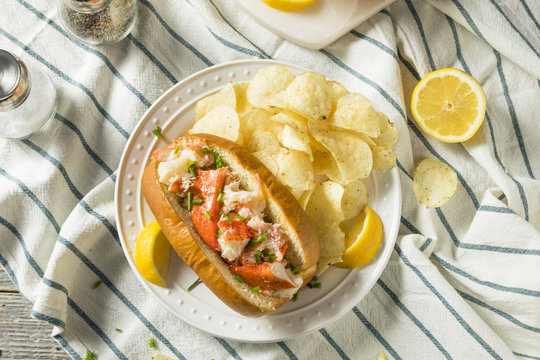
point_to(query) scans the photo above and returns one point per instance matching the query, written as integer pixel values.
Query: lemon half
(363, 240)
(449, 105)
(289, 5)
(152, 254)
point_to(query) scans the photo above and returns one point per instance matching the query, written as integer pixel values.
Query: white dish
(341, 289)
(317, 25)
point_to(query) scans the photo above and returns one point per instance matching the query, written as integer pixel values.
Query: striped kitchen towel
(463, 281)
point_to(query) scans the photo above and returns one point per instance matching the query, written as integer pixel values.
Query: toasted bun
(281, 208)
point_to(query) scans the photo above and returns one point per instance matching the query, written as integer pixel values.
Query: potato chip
(325, 261)
(225, 96)
(351, 153)
(383, 158)
(295, 170)
(221, 121)
(355, 198)
(389, 132)
(242, 103)
(353, 98)
(324, 164)
(293, 139)
(267, 161)
(256, 121)
(309, 95)
(337, 91)
(325, 206)
(267, 82)
(434, 182)
(303, 200)
(359, 116)
(264, 142)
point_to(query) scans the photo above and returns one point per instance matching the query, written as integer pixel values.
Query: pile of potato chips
(317, 138)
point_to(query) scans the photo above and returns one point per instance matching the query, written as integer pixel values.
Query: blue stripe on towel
(65, 77)
(449, 307)
(49, 319)
(529, 13)
(67, 347)
(175, 34)
(71, 303)
(422, 33)
(73, 189)
(413, 318)
(376, 333)
(86, 48)
(229, 348)
(375, 42)
(517, 290)
(236, 47)
(334, 345)
(501, 313)
(152, 58)
(287, 350)
(527, 356)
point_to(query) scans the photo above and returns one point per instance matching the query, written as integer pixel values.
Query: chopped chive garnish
(207, 214)
(271, 255)
(309, 285)
(96, 284)
(219, 231)
(191, 168)
(195, 283)
(256, 288)
(189, 201)
(207, 150)
(274, 291)
(216, 236)
(258, 256)
(317, 285)
(228, 220)
(315, 278)
(157, 132)
(295, 269)
(118, 330)
(220, 196)
(239, 278)
(176, 150)
(278, 283)
(257, 239)
(295, 296)
(241, 218)
(219, 161)
(197, 201)
(152, 342)
(89, 355)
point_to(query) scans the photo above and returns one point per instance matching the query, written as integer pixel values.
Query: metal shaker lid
(10, 74)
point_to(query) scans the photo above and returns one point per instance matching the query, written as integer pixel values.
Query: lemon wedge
(152, 254)
(363, 240)
(289, 5)
(381, 356)
(449, 105)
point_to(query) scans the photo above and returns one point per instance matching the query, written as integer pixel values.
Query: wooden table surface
(22, 337)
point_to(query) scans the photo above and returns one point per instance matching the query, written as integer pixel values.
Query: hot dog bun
(281, 208)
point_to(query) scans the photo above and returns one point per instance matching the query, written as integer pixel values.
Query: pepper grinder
(98, 22)
(27, 98)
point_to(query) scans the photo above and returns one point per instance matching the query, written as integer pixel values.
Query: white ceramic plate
(341, 289)
(317, 25)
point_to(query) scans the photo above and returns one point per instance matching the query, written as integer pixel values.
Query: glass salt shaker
(98, 22)
(27, 98)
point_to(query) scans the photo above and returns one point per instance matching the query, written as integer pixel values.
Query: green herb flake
(197, 201)
(317, 285)
(274, 291)
(258, 256)
(119, 330)
(157, 132)
(220, 196)
(295, 269)
(176, 150)
(219, 161)
(152, 343)
(191, 168)
(315, 278)
(207, 150)
(239, 278)
(228, 220)
(89, 355)
(97, 284)
(216, 236)
(256, 288)
(207, 214)
(189, 201)
(241, 218)
(195, 283)
(296, 295)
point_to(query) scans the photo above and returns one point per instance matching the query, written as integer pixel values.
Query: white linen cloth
(463, 281)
